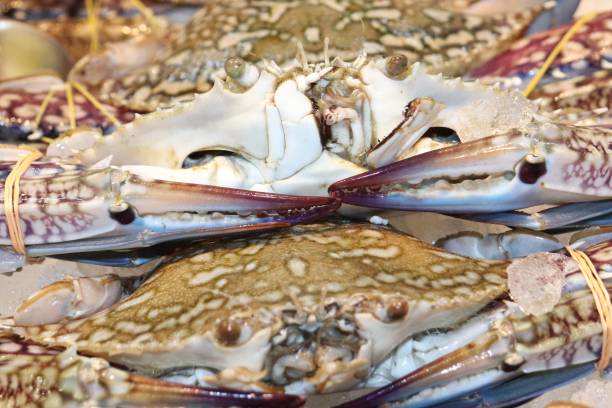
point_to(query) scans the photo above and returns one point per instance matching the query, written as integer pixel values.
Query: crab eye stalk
(228, 332)
(397, 310)
(396, 65)
(235, 67)
(532, 168)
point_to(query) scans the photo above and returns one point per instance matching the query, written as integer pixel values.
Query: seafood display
(305, 311)
(204, 203)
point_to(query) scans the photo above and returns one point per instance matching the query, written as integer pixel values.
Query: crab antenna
(326, 51)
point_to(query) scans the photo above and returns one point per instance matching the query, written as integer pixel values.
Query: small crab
(316, 308)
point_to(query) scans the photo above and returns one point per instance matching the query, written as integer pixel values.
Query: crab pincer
(547, 164)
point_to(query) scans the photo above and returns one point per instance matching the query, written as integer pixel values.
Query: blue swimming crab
(429, 143)
(327, 307)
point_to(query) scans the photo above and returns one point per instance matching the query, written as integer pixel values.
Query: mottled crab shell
(586, 51)
(74, 33)
(359, 289)
(583, 100)
(21, 101)
(443, 40)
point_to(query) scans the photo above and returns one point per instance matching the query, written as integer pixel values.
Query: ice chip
(536, 282)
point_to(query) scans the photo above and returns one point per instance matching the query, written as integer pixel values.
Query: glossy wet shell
(443, 40)
(303, 267)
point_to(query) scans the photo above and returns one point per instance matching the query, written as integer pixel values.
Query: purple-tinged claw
(554, 164)
(102, 209)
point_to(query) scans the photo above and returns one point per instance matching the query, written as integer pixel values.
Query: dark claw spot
(512, 362)
(228, 332)
(397, 310)
(124, 217)
(531, 169)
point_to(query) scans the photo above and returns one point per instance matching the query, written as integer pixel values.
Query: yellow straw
(92, 18)
(43, 108)
(555, 52)
(147, 14)
(96, 103)
(71, 110)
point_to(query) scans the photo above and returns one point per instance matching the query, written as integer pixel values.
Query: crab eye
(396, 65)
(234, 67)
(228, 332)
(397, 310)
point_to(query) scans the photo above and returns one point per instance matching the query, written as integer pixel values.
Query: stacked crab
(183, 167)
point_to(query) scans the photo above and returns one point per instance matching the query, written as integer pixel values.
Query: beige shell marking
(445, 40)
(191, 296)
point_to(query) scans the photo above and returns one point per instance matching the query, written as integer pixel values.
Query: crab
(300, 130)
(175, 66)
(317, 307)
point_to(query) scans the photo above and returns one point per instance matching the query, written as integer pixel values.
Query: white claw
(68, 299)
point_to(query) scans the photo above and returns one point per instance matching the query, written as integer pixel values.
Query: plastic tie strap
(555, 52)
(11, 198)
(602, 302)
(71, 108)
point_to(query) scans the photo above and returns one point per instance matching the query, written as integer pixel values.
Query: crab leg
(549, 164)
(73, 210)
(576, 215)
(43, 377)
(521, 389)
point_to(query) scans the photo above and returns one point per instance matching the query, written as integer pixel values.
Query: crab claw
(111, 208)
(32, 374)
(551, 164)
